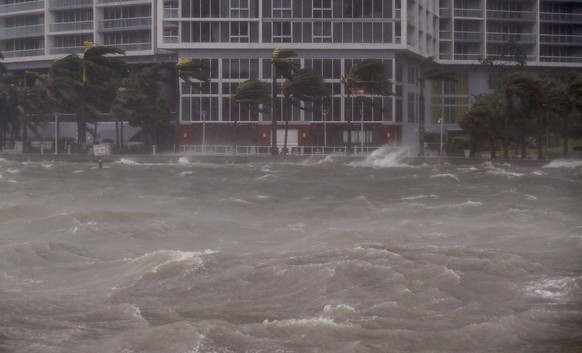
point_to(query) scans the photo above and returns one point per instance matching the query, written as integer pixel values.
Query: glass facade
(213, 101)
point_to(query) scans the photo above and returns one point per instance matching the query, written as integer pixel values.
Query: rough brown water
(367, 256)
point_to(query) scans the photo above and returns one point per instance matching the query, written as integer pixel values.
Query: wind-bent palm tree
(366, 78)
(253, 95)
(304, 86)
(102, 70)
(193, 72)
(282, 65)
(429, 71)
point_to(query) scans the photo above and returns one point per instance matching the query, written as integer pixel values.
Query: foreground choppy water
(371, 256)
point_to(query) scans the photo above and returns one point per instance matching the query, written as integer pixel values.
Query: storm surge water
(351, 257)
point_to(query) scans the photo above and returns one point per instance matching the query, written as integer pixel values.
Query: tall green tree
(485, 119)
(305, 86)
(365, 80)
(283, 65)
(572, 116)
(430, 70)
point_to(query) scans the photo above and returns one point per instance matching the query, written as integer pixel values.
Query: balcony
(468, 36)
(574, 18)
(560, 39)
(510, 15)
(171, 13)
(132, 46)
(126, 23)
(513, 37)
(22, 6)
(467, 56)
(67, 50)
(445, 35)
(59, 4)
(561, 59)
(71, 26)
(23, 53)
(445, 13)
(469, 13)
(102, 2)
(170, 39)
(23, 31)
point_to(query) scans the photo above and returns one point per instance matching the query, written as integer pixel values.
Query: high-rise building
(236, 38)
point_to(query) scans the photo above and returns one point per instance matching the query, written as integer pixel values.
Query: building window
(239, 32)
(322, 32)
(282, 9)
(239, 8)
(281, 32)
(321, 8)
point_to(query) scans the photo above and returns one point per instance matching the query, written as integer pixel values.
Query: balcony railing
(560, 39)
(171, 13)
(132, 46)
(561, 17)
(510, 15)
(70, 3)
(445, 13)
(561, 59)
(506, 37)
(67, 50)
(120, 23)
(124, 1)
(446, 35)
(23, 53)
(469, 36)
(71, 26)
(473, 13)
(23, 31)
(21, 6)
(171, 39)
(467, 56)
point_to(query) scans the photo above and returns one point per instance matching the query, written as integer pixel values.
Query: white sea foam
(418, 197)
(552, 289)
(564, 163)
(384, 157)
(186, 173)
(183, 160)
(127, 161)
(446, 175)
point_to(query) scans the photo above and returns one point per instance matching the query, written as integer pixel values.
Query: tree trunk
(121, 136)
(421, 120)
(492, 147)
(274, 112)
(349, 111)
(286, 118)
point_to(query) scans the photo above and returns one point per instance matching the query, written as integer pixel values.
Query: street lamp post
(441, 121)
(325, 111)
(362, 128)
(204, 113)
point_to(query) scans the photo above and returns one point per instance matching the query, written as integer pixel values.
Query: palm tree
(193, 72)
(102, 70)
(573, 88)
(282, 65)
(304, 86)
(366, 78)
(252, 95)
(429, 71)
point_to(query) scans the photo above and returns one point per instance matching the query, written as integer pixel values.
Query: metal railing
(134, 22)
(291, 150)
(70, 3)
(22, 6)
(71, 26)
(22, 31)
